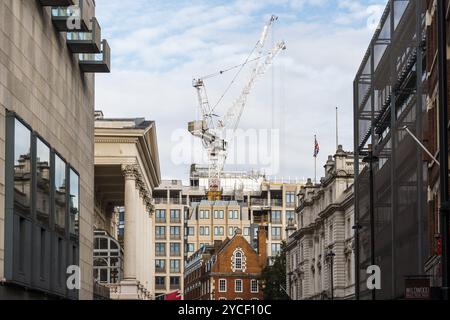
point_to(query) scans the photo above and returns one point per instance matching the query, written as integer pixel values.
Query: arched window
(108, 258)
(238, 261)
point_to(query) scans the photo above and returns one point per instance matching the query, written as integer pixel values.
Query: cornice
(132, 140)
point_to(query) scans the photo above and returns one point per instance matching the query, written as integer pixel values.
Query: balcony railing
(160, 286)
(160, 254)
(86, 42)
(101, 292)
(71, 18)
(175, 237)
(175, 287)
(161, 237)
(175, 253)
(290, 204)
(276, 202)
(97, 63)
(259, 202)
(175, 270)
(160, 220)
(160, 270)
(260, 219)
(170, 201)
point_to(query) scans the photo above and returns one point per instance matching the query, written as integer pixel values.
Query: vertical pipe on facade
(419, 102)
(356, 174)
(443, 142)
(393, 76)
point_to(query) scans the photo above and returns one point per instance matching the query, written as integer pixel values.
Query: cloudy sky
(158, 47)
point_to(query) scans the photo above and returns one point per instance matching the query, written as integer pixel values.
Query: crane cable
(240, 66)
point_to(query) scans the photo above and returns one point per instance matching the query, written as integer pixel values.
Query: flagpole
(337, 128)
(315, 160)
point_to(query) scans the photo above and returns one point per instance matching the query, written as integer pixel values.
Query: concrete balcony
(86, 42)
(57, 3)
(72, 18)
(96, 62)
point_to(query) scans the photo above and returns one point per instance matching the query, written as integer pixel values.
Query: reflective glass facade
(389, 95)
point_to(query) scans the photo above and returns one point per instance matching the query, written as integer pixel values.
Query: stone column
(131, 201)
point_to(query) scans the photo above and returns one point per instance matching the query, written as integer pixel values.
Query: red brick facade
(252, 265)
(229, 270)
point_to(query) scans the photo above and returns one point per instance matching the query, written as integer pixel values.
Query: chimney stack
(262, 246)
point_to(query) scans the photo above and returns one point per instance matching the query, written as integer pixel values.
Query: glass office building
(389, 95)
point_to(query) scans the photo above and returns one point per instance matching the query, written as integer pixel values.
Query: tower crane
(212, 128)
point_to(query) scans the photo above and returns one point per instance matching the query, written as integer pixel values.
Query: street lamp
(371, 159)
(330, 257)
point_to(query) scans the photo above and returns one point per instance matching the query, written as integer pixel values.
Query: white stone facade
(321, 246)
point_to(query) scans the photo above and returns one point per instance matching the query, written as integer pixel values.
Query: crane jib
(211, 130)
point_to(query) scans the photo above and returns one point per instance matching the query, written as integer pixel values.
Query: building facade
(126, 173)
(47, 96)
(228, 270)
(320, 252)
(433, 264)
(389, 94)
(186, 221)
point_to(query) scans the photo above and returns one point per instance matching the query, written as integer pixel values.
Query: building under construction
(187, 220)
(389, 96)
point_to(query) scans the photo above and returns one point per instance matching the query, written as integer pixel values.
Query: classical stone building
(126, 173)
(228, 270)
(320, 252)
(47, 145)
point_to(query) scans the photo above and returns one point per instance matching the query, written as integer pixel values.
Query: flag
(173, 296)
(316, 147)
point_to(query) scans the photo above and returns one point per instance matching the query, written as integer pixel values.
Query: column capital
(130, 171)
(149, 205)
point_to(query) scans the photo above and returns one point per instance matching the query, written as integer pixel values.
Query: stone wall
(40, 80)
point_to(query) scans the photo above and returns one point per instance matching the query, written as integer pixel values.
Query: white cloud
(157, 52)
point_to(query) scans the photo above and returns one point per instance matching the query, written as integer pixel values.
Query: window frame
(251, 286)
(224, 281)
(236, 281)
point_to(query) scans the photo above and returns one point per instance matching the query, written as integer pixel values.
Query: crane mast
(212, 129)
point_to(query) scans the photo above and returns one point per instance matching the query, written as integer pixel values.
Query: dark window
(160, 282)
(175, 249)
(60, 194)
(161, 233)
(276, 217)
(175, 216)
(160, 249)
(22, 168)
(74, 205)
(42, 182)
(174, 282)
(290, 197)
(175, 266)
(175, 233)
(160, 265)
(161, 216)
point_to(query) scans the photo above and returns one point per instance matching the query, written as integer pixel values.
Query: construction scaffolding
(389, 95)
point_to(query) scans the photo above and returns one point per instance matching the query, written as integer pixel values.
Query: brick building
(228, 270)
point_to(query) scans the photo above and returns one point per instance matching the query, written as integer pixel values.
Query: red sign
(439, 246)
(417, 289)
(173, 296)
